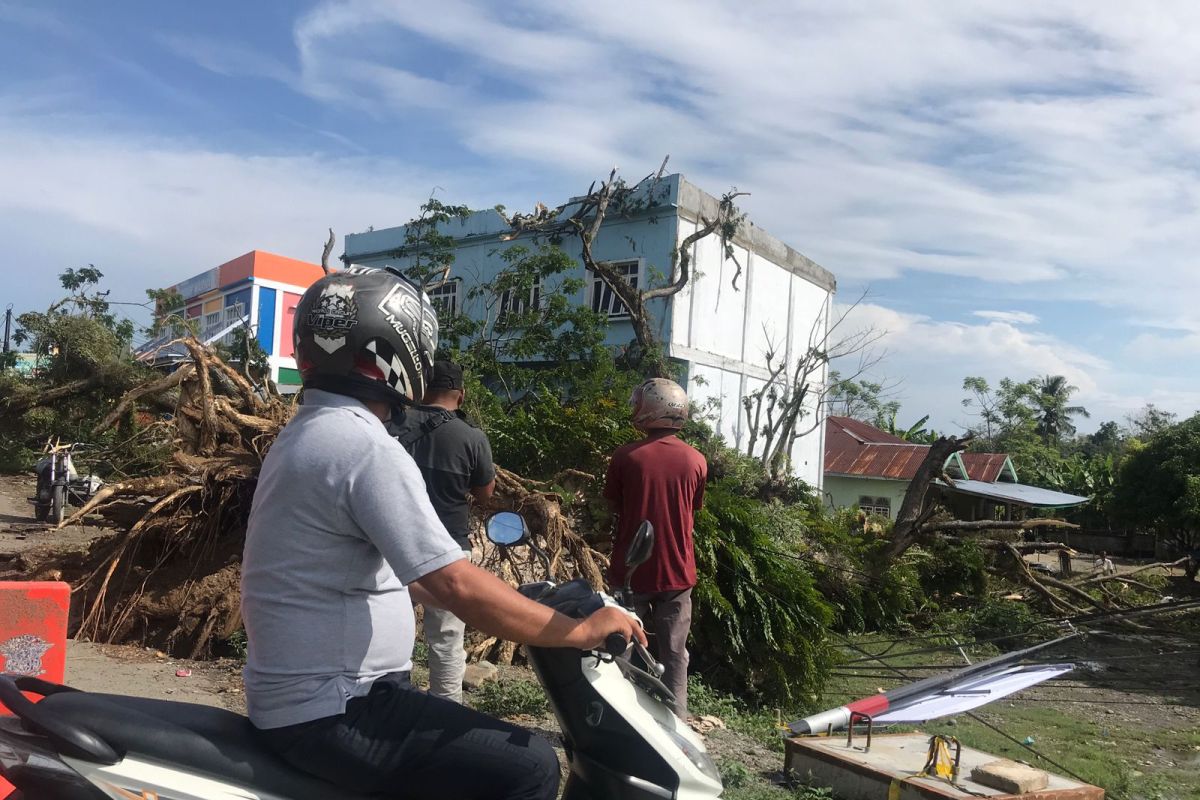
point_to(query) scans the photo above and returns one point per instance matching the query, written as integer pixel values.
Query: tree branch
(997, 525)
(325, 253)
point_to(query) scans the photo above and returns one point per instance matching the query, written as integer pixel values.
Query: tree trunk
(913, 513)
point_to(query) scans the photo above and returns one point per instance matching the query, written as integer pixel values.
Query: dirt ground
(113, 669)
(20, 531)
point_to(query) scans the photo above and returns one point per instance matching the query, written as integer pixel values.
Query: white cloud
(1014, 145)
(150, 213)
(1155, 347)
(1011, 317)
(926, 360)
(1048, 152)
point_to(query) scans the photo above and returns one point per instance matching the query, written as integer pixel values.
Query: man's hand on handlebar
(592, 632)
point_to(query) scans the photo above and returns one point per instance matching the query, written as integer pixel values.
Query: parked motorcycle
(58, 483)
(622, 736)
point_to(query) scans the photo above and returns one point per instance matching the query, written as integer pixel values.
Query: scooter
(622, 736)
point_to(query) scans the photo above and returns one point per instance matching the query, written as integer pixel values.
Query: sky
(1013, 185)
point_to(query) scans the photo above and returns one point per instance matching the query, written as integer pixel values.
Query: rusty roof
(862, 431)
(984, 466)
(856, 448)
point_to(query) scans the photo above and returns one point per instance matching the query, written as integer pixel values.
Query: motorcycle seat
(203, 739)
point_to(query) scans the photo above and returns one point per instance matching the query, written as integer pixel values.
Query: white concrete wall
(724, 334)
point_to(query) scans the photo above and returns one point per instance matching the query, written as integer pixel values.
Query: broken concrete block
(480, 673)
(1011, 777)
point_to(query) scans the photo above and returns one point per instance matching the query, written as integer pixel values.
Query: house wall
(725, 335)
(479, 258)
(718, 332)
(843, 491)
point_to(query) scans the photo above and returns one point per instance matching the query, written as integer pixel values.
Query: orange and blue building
(258, 292)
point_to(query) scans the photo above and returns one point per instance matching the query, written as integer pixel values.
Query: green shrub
(1003, 618)
(236, 644)
(734, 775)
(947, 567)
(760, 622)
(510, 699)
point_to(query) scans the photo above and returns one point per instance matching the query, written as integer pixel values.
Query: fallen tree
(169, 574)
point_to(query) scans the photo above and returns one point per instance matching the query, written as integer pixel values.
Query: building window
(876, 506)
(604, 300)
(445, 298)
(514, 302)
(212, 324)
(233, 313)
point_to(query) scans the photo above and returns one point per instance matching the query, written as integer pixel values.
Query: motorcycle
(622, 737)
(58, 483)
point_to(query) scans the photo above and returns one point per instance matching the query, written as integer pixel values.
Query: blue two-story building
(718, 331)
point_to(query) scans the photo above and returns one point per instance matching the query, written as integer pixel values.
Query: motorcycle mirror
(507, 528)
(639, 548)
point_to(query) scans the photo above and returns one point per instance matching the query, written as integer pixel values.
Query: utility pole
(7, 325)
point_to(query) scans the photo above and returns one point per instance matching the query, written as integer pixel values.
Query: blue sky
(1016, 186)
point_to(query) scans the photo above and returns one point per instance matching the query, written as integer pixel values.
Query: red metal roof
(853, 447)
(862, 431)
(856, 448)
(984, 466)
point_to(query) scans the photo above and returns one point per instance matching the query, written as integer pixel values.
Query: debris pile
(168, 576)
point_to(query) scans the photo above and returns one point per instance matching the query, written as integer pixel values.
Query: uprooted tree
(169, 575)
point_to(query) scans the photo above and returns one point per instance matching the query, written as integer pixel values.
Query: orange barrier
(33, 633)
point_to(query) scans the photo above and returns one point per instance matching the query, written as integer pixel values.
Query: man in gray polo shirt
(341, 532)
(456, 460)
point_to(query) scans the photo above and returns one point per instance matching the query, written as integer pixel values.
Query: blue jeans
(409, 745)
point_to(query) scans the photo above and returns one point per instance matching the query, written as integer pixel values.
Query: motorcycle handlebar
(616, 644)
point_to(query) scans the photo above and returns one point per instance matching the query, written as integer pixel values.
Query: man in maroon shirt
(661, 479)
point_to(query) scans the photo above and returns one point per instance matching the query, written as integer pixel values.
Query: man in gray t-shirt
(340, 526)
(341, 540)
(456, 460)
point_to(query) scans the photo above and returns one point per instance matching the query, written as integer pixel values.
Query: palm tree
(1051, 393)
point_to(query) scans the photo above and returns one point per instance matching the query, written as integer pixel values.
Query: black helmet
(367, 333)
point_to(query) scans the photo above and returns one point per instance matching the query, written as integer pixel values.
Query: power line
(1079, 619)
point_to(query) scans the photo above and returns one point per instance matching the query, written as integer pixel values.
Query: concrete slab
(857, 774)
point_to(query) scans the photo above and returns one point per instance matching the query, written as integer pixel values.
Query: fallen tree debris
(169, 575)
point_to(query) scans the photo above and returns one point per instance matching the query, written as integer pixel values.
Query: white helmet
(659, 404)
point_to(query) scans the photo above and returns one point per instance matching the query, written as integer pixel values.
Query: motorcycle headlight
(694, 754)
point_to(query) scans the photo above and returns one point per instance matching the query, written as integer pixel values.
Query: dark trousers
(405, 744)
(668, 618)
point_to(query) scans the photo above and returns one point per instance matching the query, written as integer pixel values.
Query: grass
(510, 699)
(1116, 759)
(766, 792)
(1129, 760)
(760, 724)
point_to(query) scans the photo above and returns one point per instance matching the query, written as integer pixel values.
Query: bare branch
(325, 253)
(964, 526)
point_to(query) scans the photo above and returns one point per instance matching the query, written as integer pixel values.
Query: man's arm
(420, 597)
(483, 493)
(487, 603)
(483, 474)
